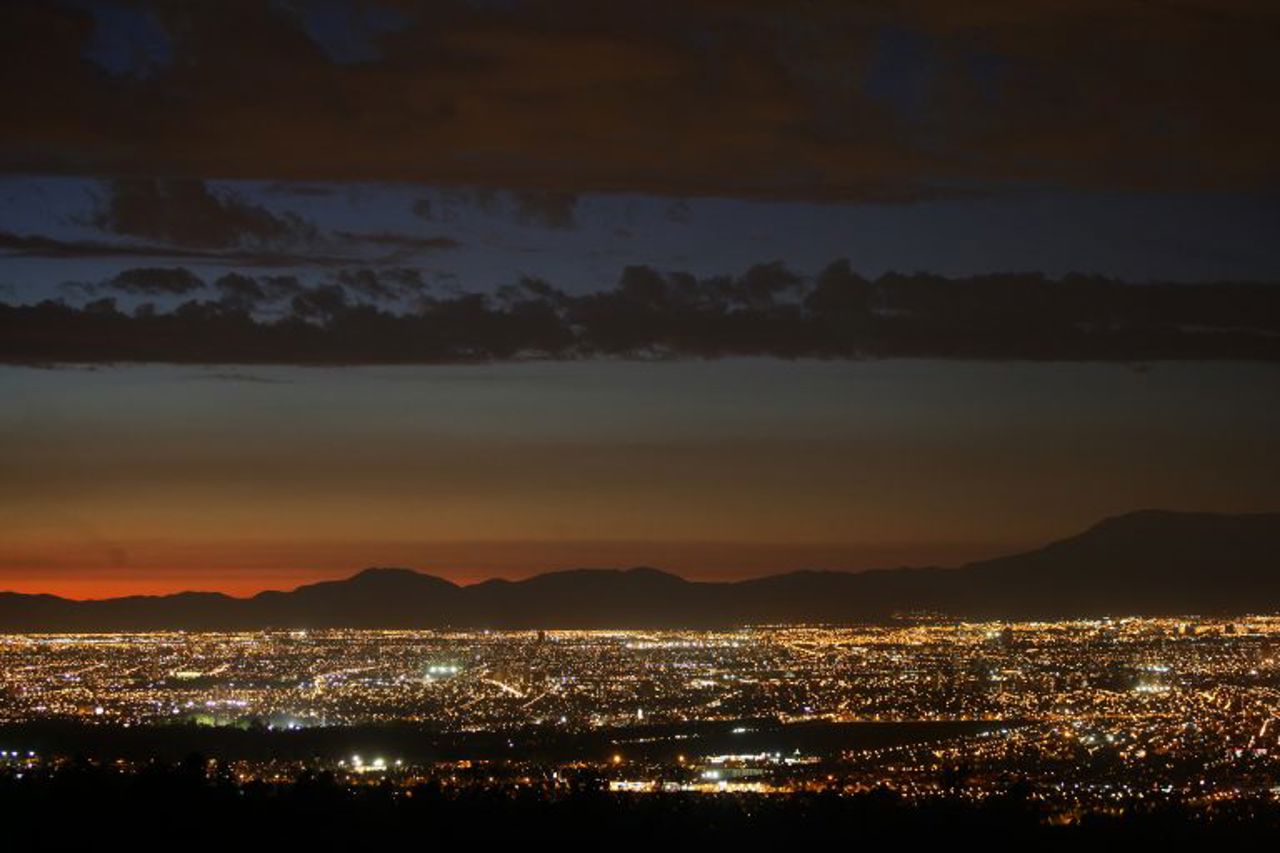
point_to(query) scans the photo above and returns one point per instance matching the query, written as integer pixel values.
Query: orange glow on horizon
(160, 569)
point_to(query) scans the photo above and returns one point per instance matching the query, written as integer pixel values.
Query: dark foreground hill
(1144, 563)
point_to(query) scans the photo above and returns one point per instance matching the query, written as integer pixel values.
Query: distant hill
(1144, 563)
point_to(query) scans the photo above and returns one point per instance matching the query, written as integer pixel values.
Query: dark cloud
(281, 286)
(766, 311)
(38, 246)
(400, 244)
(823, 101)
(764, 283)
(157, 281)
(324, 302)
(186, 213)
(240, 289)
(247, 292)
(386, 285)
(236, 291)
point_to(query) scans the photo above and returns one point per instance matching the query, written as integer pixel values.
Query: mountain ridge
(1146, 562)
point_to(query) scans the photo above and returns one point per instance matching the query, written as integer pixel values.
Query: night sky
(497, 287)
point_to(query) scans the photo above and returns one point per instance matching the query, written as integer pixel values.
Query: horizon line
(998, 552)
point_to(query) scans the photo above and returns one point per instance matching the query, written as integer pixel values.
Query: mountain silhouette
(1151, 562)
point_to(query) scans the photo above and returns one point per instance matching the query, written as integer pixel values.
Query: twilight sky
(160, 477)
(496, 287)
